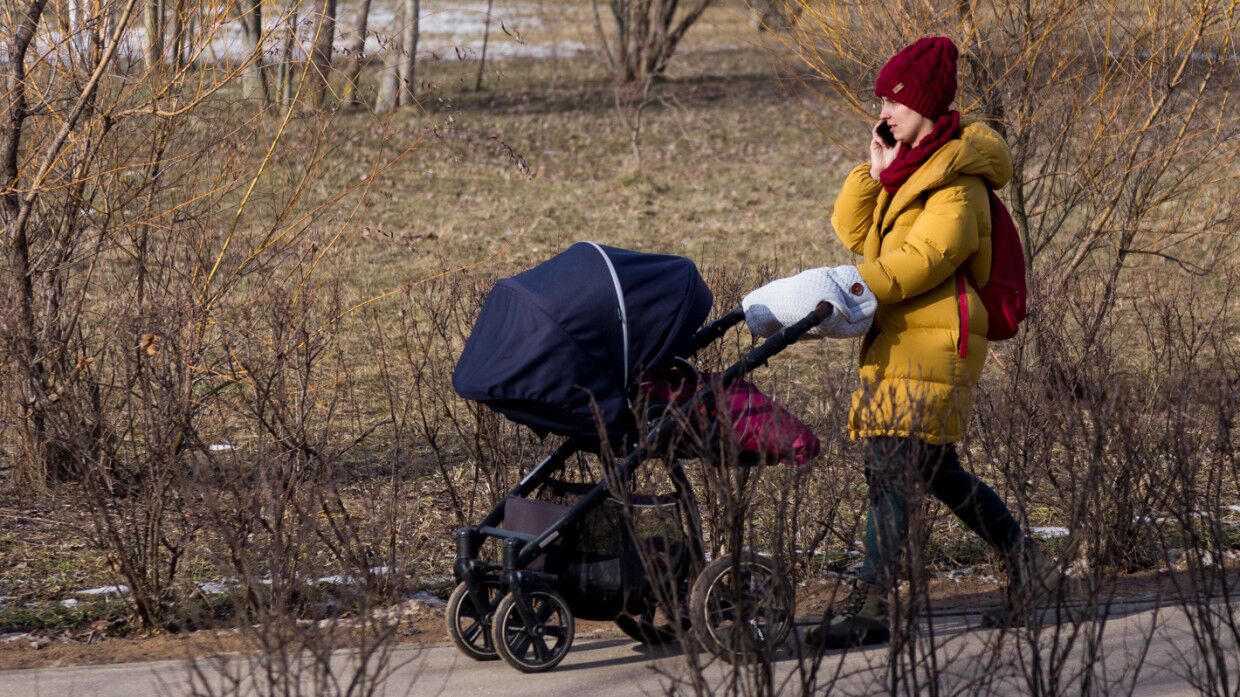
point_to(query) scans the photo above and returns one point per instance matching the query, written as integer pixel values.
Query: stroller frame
(518, 584)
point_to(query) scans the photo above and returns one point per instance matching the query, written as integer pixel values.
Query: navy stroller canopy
(580, 326)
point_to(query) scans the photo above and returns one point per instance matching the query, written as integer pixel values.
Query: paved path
(970, 660)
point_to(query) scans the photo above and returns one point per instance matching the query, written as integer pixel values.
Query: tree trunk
(647, 34)
(77, 28)
(321, 57)
(253, 80)
(408, 64)
(389, 82)
(352, 95)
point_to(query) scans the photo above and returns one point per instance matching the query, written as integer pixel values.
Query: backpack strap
(962, 301)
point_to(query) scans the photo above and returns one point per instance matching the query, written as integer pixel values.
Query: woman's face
(907, 125)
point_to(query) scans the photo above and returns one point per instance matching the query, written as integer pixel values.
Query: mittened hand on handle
(787, 300)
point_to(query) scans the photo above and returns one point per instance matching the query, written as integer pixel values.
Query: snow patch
(429, 598)
(958, 574)
(119, 589)
(1049, 532)
(455, 32)
(339, 580)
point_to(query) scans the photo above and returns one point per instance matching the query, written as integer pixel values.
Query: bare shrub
(476, 453)
(281, 514)
(1140, 475)
(169, 320)
(645, 35)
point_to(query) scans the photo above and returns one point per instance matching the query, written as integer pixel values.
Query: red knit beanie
(921, 76)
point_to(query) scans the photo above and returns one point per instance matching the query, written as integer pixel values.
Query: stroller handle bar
(710, 333)
(782, 339)
(713, 331)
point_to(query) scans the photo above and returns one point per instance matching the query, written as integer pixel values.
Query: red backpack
(1005, 293)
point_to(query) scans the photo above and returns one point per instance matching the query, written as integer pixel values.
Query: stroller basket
(600, 561)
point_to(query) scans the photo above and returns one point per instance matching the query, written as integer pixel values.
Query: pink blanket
(759, 425)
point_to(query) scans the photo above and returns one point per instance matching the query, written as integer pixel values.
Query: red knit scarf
(909, 159)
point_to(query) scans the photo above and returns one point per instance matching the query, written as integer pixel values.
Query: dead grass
(45, 550)
(735, 174)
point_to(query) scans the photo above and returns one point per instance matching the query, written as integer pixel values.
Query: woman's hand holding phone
(881, 154)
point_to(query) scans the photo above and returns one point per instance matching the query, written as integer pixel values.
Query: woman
(919, 213)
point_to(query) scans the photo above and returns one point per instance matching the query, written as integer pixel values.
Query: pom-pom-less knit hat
(921, 76)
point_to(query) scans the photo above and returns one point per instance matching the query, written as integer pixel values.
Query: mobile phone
(885, 134)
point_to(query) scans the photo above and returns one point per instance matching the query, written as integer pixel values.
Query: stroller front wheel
(541, 645)
(470, 633)
(741, 607)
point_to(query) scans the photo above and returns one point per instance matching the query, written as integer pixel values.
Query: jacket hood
(980, 151)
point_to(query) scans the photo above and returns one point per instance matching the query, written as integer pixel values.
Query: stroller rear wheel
(470, 633)
(741, 607)
(540, 646)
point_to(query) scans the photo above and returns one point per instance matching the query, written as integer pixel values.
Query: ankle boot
(862, 621)
(1032, 581)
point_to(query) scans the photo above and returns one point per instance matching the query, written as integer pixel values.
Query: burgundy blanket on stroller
(759, 425)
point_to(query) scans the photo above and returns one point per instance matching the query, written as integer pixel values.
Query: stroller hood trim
(624, 314)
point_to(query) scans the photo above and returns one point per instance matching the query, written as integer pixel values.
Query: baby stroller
(567, 348)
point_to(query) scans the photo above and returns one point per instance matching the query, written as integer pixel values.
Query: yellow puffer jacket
(913, 382)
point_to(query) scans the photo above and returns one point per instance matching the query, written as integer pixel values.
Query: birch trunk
(153, 25)
(389, 83)
(287, 55)
(253, 80)
(176, 34)
(408, 64)
(77, 25)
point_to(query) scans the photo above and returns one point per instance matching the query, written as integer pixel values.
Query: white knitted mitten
(788, 300)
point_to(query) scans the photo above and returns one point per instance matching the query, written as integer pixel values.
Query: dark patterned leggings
(889, 466)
